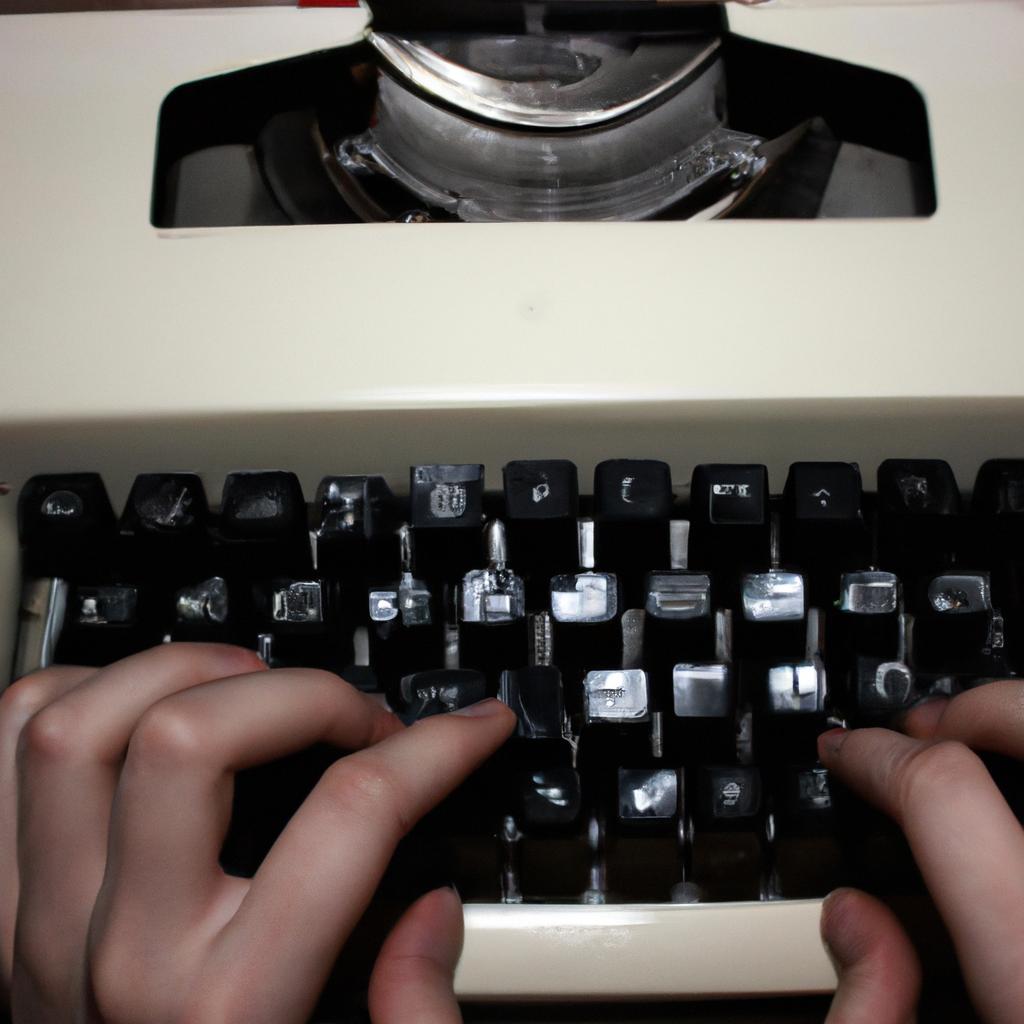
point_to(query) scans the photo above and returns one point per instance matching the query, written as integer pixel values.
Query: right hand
(967, 842)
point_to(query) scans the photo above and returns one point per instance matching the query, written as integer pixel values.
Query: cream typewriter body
(134, 342)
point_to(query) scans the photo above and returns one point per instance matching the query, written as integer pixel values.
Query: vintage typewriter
(712, 409)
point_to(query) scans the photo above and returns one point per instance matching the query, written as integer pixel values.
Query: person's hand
(113, 907)
(966, 841)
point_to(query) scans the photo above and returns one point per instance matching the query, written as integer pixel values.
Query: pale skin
(115, 791)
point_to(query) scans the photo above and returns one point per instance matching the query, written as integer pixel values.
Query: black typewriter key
(165, 529)
(728, 840)
(644, 856)
(550, 799)
(632, 490)
(866, 652)
(730, 524)
(999, 489)
(492, 613)
(301, 619)
(730, 797)
(446, 506)
(553, 853)
(264, 525)
(679, 626)
(729, 495)
(440, 691)
(535, 695)
(541, 508)
(104, 623)
(632, 509)
(823, 531)
(997, 542)
(586, 612)
(66, 526)
(356, 520)
(955, 630)
(807, 856)
(165, 506)
(616, 716)
(541, 491)
(701, 725)
(918, 515)
(773, 623)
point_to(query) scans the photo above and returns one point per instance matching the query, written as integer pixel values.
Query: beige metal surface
(666, 952)
(371, 316)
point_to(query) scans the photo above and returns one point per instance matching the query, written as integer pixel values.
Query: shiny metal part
(799, 688)
(564, 82)
(106, 605)
(616, 695)
(541, 639)
(679, 595)
(265, 647)
(960, 593)
(869, 593)
(702, 691)
(455, 157)
(585, 542)
(342, 506)
(657, 734)
(596, 890)
(496, 594)
(43, 607)
(723, 635)
(584, 597)
(679, 543)
(383, 605)
(773, 597)
(203, 602)
(298, 602)
(885, 686)
(510, 837)
(633, 637)
(62, 505)
(645, 794)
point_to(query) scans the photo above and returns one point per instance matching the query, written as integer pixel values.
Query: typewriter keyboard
(671, 652)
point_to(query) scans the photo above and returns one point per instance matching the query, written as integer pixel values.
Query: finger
(879, 973)
(173, 803)
(413, 979)
(967, 843)
(18, 703)
(989, 717)
(317, 880)
(69, 759)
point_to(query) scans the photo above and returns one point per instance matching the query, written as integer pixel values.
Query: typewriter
(686, 450)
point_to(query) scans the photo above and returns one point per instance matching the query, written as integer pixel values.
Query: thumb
(879, 973)
(413, 977)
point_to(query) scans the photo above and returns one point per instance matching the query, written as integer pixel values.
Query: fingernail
(481, 709)
(831, 742)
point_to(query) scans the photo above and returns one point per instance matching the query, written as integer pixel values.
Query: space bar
(653, 951)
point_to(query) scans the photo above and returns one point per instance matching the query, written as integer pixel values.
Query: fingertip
(414, 975)
(841, 929)
(831, 743)
(922, 720)
(489, 708)
(879, 972)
